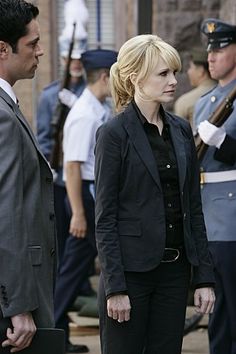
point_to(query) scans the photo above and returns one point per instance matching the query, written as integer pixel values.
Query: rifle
(218, 117)
(60, 113)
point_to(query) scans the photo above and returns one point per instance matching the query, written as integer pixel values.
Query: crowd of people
(129, 187)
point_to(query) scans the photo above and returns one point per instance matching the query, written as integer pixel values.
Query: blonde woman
(149, 222)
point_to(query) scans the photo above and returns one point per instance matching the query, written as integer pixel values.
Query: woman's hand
(204, 299)
(118, 308)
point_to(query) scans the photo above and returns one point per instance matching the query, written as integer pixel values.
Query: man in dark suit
(27, 225)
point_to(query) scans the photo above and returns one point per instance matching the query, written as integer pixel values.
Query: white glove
(210, 134)
(67, 97)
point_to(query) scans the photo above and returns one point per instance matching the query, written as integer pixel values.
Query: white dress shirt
(8, 89)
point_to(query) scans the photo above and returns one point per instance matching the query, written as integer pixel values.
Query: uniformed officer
(87, 114)
(219, 183)
(46, 107)
(200, 80)
(48, 101)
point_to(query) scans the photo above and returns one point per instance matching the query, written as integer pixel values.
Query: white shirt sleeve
(79, 134)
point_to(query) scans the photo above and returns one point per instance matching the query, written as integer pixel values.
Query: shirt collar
(97, 105)
(144, 120)
(8, 89)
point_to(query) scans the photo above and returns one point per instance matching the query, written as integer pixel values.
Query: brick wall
(176, 21)
(27, 91)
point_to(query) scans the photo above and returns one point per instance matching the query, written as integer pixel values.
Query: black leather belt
(171, 254)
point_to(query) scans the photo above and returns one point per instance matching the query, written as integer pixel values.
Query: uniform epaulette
(52, 84)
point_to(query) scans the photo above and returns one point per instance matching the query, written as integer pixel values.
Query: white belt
(215, 177)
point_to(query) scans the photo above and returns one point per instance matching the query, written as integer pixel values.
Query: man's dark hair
(204, 64)
(93, 75)
(15, 15)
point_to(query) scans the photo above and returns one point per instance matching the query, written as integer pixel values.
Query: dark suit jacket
(130, 218)
(27, 225)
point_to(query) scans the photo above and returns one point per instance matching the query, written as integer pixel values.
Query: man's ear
(4, 49)
(104, 77)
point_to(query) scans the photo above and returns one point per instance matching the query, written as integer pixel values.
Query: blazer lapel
(178, 142)
(139, 139)
(21, 118)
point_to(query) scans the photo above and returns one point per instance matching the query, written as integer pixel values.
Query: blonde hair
(138, 57)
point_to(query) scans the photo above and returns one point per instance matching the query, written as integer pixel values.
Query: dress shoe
(76, 348)
(191, 323)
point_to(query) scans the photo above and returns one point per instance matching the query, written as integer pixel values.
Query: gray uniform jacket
(27, 225)
(219, 199)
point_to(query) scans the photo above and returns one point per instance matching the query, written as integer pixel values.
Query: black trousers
(222, 323)
(158, 305)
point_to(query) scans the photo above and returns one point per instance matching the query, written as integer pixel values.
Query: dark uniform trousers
(222, 323)
(77, 262)
(155, 329)
(62, 218)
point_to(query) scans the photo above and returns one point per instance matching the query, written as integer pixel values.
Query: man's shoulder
(188, 98)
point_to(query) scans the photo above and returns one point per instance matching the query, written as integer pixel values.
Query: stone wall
(228, 11)
(178, 22)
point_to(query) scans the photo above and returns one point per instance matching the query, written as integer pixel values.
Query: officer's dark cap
(98, 59)
(220, 34)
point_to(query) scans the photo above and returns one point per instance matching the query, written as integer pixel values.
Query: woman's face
(160, 85)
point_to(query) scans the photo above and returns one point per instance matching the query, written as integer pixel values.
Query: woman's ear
(133, 78)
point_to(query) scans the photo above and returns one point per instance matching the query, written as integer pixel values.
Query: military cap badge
(211, 26)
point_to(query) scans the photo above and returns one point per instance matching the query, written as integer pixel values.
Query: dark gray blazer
(27, 225)
(130, 219)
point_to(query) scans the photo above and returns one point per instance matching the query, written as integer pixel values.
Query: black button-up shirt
(165, 158)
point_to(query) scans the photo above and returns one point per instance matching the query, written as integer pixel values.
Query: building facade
(176, 21)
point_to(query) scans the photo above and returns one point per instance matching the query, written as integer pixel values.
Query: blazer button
(49, 180)
(51, 216)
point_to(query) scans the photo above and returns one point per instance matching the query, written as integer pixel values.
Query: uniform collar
(97, 105)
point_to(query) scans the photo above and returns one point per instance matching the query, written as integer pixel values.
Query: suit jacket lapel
(178, 142)
(142, 146)
(139, 139)
(21, 118)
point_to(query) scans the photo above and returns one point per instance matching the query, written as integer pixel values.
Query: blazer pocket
(129, 228)
(35, 254)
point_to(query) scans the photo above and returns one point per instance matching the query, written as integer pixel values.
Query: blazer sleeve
(227, 151)
(18, 291)
(107, 181)
(203, 273)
